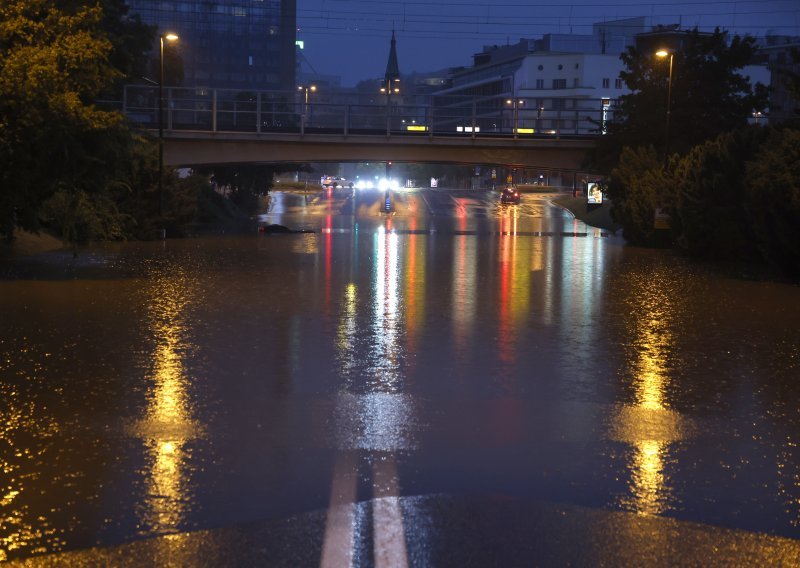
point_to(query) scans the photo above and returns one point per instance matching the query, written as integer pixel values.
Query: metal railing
(224, 110)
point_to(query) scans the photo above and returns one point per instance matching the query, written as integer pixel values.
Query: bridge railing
(225, 110)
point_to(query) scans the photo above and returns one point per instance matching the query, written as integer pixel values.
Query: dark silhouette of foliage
(771, 199)
(708, 214)
(637, 187)
(244, 184)
(131, 41)
(736, 197)
(791, 80)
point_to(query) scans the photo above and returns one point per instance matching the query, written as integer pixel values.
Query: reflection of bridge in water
(205, 126)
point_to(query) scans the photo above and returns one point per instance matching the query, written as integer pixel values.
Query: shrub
(636, 188)
(708, 217)
(772, 200)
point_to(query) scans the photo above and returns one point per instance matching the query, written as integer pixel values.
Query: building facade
(777, 52)
(535, 91)
(557, 84)
(229, 44)
(561, 83)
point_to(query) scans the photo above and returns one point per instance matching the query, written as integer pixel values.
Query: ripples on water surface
(159, 387)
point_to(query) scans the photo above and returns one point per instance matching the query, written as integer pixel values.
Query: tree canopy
(56, 60)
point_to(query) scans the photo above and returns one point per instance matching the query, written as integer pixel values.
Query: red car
(509, 195)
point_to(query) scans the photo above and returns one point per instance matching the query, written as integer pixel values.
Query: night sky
(350, 38)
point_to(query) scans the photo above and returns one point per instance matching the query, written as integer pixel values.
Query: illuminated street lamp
(664, 53)
(390, 87)
(515, 104)
(168, 37)
(306, 89)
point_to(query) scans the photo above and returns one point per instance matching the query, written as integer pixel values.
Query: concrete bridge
(217, 126)
(183, 148)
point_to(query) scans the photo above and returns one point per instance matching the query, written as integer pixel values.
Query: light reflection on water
(22, 526)
(647, 422)
(385, 358)
(379, 359)
(167, 425)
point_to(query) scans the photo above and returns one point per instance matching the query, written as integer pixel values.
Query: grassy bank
(596, 217)
(25, 243)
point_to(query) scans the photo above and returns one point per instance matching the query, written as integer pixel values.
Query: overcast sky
(350, 38)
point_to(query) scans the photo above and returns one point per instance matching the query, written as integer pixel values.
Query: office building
(235, 44)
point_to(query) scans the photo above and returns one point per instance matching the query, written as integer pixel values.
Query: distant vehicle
(334, 182)
(509, 195)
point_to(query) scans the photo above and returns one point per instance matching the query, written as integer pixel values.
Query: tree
(637, 187)
(131, 40)
(246, 182)
(709, 96)
(791, 80)
(53, 64)
(708, 217)
(64, 157)
(772, 199)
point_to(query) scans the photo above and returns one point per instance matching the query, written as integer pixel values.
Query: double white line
(389, 540)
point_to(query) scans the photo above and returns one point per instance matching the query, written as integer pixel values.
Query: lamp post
(390, 86)
(306, 89)
(539, 111)
(664, 53)
(168, 37)
(515, 104)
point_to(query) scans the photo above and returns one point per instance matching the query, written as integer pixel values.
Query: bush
(708, 217)
(79, 217)
(733, 198)
(772, 200)
(638, 187)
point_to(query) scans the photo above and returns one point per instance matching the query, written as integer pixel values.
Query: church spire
(392, 68)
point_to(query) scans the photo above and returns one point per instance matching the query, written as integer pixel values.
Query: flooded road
(454, 347)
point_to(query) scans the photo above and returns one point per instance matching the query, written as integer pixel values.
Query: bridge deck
(188, 148)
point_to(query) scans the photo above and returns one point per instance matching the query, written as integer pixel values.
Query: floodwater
(455, 347)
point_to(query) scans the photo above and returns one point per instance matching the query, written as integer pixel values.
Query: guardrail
(224, 110)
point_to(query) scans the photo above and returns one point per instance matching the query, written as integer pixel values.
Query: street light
(664, 53)
(389, 87)
(515, 104)
(306, 89)
(168, 37)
